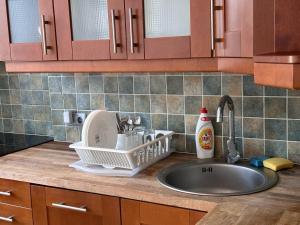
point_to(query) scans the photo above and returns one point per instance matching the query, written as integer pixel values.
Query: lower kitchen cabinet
(53, 206)
(15, 215)
(138, 213)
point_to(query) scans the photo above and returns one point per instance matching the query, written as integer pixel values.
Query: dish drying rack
(123, 162)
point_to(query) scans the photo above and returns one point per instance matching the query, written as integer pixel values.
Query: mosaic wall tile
(193, 85)
(175, 104)
(174, 85)
(158, 84)
(267, 119)
(125, 84)
(211, 85)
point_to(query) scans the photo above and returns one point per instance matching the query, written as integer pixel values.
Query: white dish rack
(135, 159)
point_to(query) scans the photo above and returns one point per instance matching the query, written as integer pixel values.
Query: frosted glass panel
(167, 18)
(24, 21)
(89, 19)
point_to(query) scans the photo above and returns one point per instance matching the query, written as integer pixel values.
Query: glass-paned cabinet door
(31, 32)
(93, 29)
(175, 28)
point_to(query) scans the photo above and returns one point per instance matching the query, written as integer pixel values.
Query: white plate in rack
(100, 130)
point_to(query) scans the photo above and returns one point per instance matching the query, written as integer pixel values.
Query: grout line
(287, 124)
(264, 120)
(242, 111)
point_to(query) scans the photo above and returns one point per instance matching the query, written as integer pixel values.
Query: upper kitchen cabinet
(27, 30)
(90, 29)
(172, 28)
(277, 43)
(232, 28)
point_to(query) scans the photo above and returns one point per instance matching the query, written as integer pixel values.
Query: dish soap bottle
(204, 136)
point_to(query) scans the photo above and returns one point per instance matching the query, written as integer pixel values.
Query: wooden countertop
(48, 165)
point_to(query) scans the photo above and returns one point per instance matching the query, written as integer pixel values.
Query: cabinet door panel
(200, 28)
(46, 9)
(234, 27)
(118, 45)
(63, 29)
(167, 29)
(179, 47)
(82, 29)
(83, 50)
(87, 33)
(140, 213)
(4, 34)
(100, 210)
(196, 216)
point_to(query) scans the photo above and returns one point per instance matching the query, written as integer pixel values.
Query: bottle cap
(203, 110)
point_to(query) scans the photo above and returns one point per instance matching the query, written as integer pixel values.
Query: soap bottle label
(205, 139)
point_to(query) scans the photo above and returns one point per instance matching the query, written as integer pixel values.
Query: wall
(267, 119)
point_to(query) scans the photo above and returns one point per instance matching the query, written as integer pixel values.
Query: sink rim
(270, 176)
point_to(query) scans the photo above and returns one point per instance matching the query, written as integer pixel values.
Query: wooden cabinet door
(27, 30)
(140, 213)
(233, 28)
(90, 29)
(176, 29)
(52, 206)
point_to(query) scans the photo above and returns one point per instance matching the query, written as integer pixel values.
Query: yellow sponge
(278, 163)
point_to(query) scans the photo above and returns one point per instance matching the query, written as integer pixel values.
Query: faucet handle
(233, 155)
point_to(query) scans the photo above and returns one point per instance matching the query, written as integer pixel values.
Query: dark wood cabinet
(138, 213)
(27, 31)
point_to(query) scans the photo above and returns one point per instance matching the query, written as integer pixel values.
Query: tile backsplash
(267, 119)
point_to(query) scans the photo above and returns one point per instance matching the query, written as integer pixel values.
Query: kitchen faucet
(232, 155)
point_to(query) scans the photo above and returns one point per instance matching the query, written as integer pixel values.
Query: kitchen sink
(216, 178)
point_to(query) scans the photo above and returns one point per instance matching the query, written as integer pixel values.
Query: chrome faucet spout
(232, 155)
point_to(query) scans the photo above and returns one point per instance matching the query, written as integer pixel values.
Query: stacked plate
(100, 130)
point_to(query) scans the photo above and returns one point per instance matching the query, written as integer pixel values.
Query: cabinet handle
(44, 37)
(215, 40)
(131, 17)
(212, 26)
(64, 206)
(5, 193)
(9, 219)
(113, 23)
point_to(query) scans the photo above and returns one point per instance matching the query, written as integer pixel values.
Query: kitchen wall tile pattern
(267, 119)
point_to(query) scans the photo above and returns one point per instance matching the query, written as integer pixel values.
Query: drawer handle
(64, 206)
(9, 219)
(5, 193)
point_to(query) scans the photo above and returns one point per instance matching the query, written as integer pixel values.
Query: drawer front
(73, 207)
(15, 193)
(15, 215)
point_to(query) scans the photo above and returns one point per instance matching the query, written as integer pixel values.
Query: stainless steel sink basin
(217, 179)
